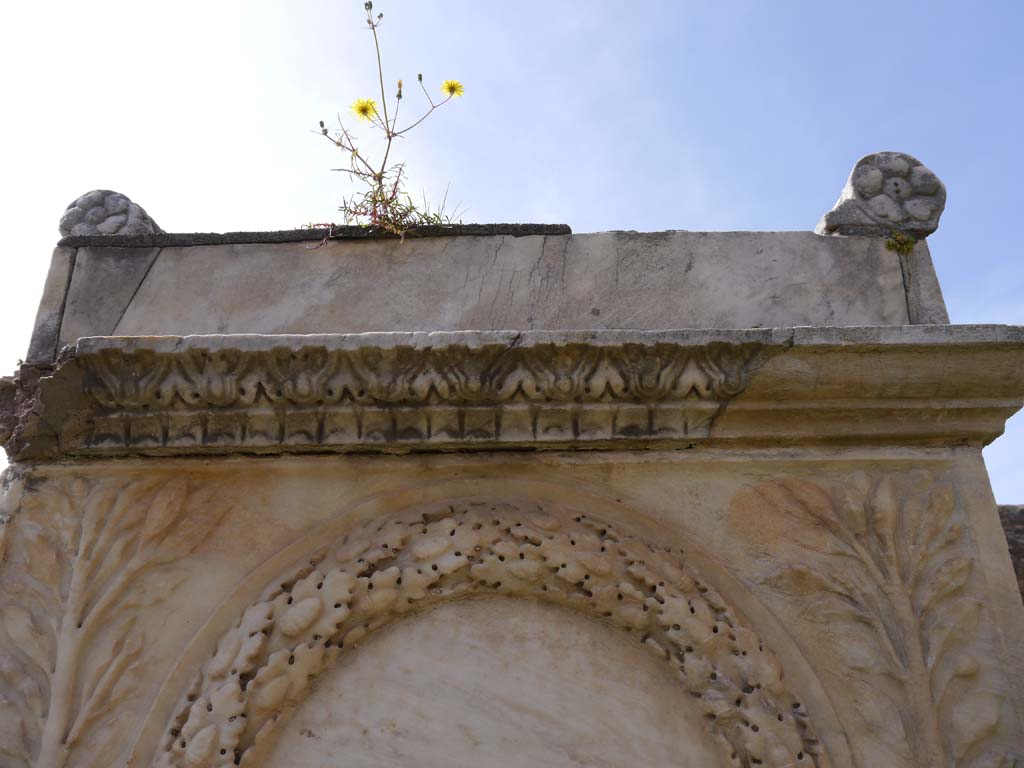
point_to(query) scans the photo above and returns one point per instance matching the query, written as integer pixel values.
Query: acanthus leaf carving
(341, 398)
(890, 554)
(88, 555)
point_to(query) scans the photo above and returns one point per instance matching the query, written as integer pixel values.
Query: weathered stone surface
(46, 332)
(599, 281)
(311, 234)
(103, 212)
(19, 397)
(103, 285)
(540, 538)
(789, 590)
(1013, 524)
(925, 304)
(887, 192)
(607, 281)
(587, 694)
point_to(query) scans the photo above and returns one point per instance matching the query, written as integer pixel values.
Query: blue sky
(602, 115)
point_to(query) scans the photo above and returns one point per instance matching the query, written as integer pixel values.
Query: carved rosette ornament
(80, 560)
(308, 618)
(104, 212)
(887, 192)
(889, 557)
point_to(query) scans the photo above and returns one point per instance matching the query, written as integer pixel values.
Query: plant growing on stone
(383, 202)
(901, 243)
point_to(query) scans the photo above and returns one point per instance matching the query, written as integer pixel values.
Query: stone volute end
(104, 212)
(887, 193)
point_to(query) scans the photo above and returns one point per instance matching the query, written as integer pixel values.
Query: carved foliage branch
(892, 556)
(88, 556)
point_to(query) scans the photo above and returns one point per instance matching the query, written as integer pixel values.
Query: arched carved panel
(496, 682)
(265, 664)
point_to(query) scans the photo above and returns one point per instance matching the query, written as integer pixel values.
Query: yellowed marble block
(593, 547)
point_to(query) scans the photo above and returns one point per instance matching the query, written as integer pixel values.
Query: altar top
(518, 278)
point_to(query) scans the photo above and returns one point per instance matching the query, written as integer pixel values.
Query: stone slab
(103, 285)
(596, 281)
(43, 346)
(925, 304)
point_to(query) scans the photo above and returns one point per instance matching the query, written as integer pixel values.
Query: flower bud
(368, 5)
(420, 78)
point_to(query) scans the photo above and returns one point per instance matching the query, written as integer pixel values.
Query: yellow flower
(365, 109)
(452, 88)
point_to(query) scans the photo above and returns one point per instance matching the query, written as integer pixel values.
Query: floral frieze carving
(80, 561)
(887, 564)
(307, 618)
(320, 398)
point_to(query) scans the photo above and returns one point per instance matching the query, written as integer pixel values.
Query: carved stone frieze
(313, 397)
(404, 392)
(80, 559)
(886, 564)
(308, 617)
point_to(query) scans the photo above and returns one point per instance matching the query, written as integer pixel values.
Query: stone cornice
(454, 391)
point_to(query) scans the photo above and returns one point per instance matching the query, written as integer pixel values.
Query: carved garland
(265, 664)
(339, 398)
